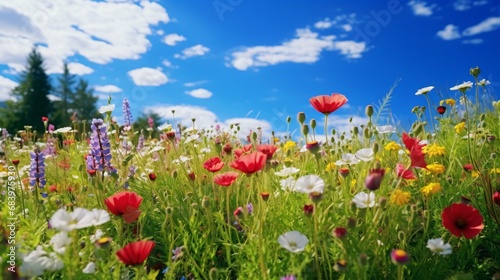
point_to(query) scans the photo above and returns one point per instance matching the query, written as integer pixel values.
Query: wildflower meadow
(381, 201)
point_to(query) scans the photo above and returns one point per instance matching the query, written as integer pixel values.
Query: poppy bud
(355, 130)
(152, 176)
(238, 213)
(399, 256)
(315, 196)
(205, 202)
(363, 259)
(351, 222)
(312, 123)
(15, 162)
(441, 109)
(288, 119)
(339, 232)
(374, 179)
(227, 148)
(496, 198)
(308, 209)
(171, 135)
(369, 111)
(475, 71)
(305, 129)
(344, 171)
(375, 147)
(264, 196)
(312, 146)
(301, 117)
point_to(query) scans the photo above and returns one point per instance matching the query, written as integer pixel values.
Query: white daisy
(483, 82)
(106, 108)
(288, 184)
(287, 171)
(60, 241)
(63, 130)
(309, 184)
(293, 241)
(65, 221)
(347, 158)
(462, 87)
(364, 200)
(90, 268)
(365, 154)
(438, 246)
(165, 127)
(424, 90)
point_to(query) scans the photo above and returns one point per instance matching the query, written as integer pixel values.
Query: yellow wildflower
(400, 197)
(435, 168)
(353, 183)
(392, 146)
(449, 101)
(330, 167)
(495, 170)
(459, 128)
(431, 188)
(475, 174)
(289, 145)
(276, 140)
(434, 150)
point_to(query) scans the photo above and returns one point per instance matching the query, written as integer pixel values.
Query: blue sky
(256, 62)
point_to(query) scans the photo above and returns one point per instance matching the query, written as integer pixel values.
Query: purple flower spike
(100, 148)
(127, 115)
(37, 169)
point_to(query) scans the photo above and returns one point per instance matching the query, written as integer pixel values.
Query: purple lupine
(100, 148)
(127, 115)
(250, 208)
(37, 169)
(51, 128)
(5, 133)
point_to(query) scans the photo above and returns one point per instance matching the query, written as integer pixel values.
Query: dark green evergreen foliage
(31, 97)
(75, 99)
(65, 93)
(142, 124)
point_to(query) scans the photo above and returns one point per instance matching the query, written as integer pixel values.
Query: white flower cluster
(48, 258)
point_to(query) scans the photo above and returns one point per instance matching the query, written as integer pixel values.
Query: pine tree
(84, 102)
(65, 94)
(31, 97)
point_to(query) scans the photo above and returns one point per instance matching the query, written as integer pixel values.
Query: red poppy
(327, 104)
(152, 176)
(267, 149)
(15, 162)
(496, 198)
(404, 173)
(415, 147)
(462, 219)
(441, 109)
(227, 148)
(468, 167)
(135, 253)
(45, 119)
(126, 204)
(250, 163)
(242, 151)
(308, 209)
(213, 164)
(226, 179)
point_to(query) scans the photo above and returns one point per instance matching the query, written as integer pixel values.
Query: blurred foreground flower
(293, 241)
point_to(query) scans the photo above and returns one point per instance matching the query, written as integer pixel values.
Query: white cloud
(450, 32)
(148, 77)
(421, 8)
(197, 50)
(169, 64)
(473, 41)
(351, 49)
(93, 34)
(6, 86)
(173, 39)
(205, 119)
(193, 84)
(108, 89)
(200, 93)
(324, 24)
(305, 48)
(464, 5)
(79, 69)
(486, 25)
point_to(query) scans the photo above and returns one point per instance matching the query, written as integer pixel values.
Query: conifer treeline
(75, 100)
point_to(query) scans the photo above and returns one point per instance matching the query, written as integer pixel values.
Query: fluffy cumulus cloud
(450, 32)
(93, 34)
(107, 89)
(148, 77)
(486, 25)
(306, 47)
(173, 39)
(421, 8)
(6, 86)
(343, 22)
(207, 119)
(197, 50)
(79, 69)
(200, 93)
